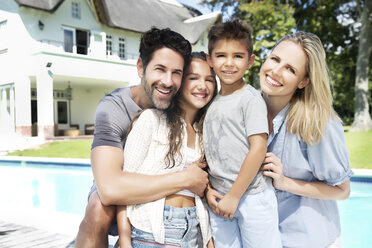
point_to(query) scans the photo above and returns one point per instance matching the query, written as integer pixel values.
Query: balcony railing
(58, 46)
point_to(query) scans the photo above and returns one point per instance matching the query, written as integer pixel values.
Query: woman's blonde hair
(311, 107)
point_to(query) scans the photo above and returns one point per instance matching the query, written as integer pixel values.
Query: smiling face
(230, 59)
(284, 71)
(162, 77)
(198, 85)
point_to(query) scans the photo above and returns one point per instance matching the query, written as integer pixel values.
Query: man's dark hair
(155, 39)
(231, 30)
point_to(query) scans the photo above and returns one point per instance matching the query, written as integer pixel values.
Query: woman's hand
(212, 197)
(272, 167)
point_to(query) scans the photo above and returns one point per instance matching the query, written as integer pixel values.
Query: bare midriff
(180, 201)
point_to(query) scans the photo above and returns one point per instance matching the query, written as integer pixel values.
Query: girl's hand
(227, 206)
(212, 197)
(272, 167)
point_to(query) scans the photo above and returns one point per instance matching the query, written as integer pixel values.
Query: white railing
(58, 46)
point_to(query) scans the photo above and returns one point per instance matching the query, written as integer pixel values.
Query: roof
(47, 5)
(141, 15)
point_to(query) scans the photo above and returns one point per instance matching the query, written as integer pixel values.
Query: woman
(307, 157)
(166, 141)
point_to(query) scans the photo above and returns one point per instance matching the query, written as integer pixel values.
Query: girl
(162, 142)
(307, 156)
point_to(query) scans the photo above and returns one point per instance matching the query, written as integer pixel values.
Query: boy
(234, 136)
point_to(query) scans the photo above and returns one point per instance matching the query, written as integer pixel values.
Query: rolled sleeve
(329, 158)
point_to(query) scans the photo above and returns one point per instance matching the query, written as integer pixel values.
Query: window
(121, 48)
(75, 41)
(3, 25)
(68, 40)
(108, 45)
(81, 41)
(75, 10)
(3, 36)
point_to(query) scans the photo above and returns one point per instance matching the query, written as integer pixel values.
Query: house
(58, 58)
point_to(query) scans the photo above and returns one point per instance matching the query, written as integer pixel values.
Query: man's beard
(158, 103)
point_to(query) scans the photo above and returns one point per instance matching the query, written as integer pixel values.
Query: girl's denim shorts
(181, 230)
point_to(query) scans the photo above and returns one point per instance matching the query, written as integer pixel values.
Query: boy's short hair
(231, 30)
(155, 39)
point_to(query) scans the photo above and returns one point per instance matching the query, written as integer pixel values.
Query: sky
(194, 3)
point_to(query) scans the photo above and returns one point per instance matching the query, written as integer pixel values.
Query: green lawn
(359, 145)
(59, 149)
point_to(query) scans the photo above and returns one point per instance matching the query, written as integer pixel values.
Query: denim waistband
(181, 213)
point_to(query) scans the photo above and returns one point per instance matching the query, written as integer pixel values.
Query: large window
(75, 41)
(108, 45)
(121, 48)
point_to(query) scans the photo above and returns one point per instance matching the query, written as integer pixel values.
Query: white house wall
(26, 50)
(81, 112)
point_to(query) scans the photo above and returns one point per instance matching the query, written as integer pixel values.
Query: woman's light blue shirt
(308, 222)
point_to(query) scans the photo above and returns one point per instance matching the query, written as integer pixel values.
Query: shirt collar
(278, 123)
(279, 119)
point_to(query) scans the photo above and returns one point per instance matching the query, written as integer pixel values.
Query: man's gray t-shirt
(229, 121)
(114, 114)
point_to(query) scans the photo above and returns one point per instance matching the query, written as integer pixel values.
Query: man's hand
(197, 178)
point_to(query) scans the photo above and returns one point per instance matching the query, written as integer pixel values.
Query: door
(69, 40)
(61, 114)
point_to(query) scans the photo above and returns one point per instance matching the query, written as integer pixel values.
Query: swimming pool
(55, 189)
(356, 215)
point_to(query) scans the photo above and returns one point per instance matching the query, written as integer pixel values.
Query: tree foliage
(362, 116)
(336, 22)
(270, 21)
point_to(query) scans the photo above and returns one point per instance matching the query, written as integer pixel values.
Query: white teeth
(200, 95)
(229, 72)
(164, 91)
(272, 81)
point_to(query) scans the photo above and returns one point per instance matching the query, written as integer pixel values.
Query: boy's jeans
(255, 223)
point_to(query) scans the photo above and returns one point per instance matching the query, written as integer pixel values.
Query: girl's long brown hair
(175, 121)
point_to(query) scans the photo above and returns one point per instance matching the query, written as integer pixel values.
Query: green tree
(334, 23)
(270, 20)
(362, 119)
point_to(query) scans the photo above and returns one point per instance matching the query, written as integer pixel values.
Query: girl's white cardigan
(145, 150)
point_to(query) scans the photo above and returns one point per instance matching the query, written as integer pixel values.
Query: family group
(180, 162)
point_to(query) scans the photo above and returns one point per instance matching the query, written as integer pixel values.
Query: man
(163, 56)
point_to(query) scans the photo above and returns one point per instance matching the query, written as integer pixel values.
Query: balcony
(60, 47)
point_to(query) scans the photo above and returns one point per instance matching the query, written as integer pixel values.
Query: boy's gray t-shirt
(229, 121)
(114, 114)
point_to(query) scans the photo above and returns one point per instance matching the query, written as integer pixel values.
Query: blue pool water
(356, 216)
(63, 188)
(49, 187)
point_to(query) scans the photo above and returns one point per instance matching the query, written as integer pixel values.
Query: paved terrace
(18, 236)
(13, 236)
